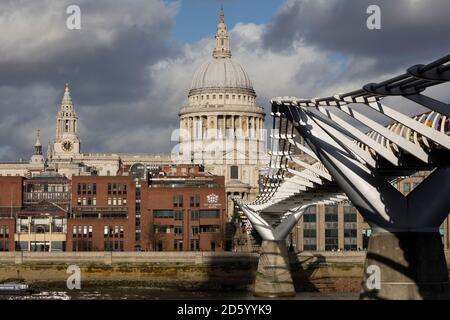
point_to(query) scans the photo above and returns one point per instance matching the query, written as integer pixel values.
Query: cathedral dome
(223, 73)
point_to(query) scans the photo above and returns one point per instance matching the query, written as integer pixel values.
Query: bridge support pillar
(273, 277)
(409, 265)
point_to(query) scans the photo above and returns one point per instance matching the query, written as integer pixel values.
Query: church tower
(67, 143)
(37, 158)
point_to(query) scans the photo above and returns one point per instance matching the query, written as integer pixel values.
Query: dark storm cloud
(106, 63)
(411, 31)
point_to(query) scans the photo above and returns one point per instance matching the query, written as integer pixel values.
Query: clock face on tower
(67, 146)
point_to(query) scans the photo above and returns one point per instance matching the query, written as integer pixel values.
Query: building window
(349, 214)
(113, 238)
(234, 172)
(178, 230)
(406, 187)
(209, 214)
(194, 200)
(195, 245)
(195, 215)
(309, 229)
(331, 227)
(331, 239)
(331, 213)
(163, 214)
(195, 231)
(82, 238)
(4, 238)
(178, 215)
(178, 245)
(178, 200)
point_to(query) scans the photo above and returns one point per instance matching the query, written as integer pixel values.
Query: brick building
(41, 222)
(161, 208)
(103, 214)
(183, 209)
(10, 204)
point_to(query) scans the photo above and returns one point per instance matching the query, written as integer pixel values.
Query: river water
(151, 293)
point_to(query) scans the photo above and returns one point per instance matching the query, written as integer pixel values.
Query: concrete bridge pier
(273, 277)
(405, 266)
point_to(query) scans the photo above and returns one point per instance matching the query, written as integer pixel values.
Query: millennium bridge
(334, 149)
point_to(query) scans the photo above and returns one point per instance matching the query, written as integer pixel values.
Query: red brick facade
(103, 214)
(10, 203)
(11, 192)
(183, 212)
(176, 208)
(7, 226)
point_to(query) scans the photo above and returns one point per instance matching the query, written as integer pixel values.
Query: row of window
(178, 230)
(178, 215)
(87, 245)
(117, 188)
(87, 201)
(113, 201)
(227, 96)
(4, 232)
(178, 245)
(113, 232)
(331, 217)
(108, 231)
(82, 231)
(46, 187)
(86, 188)
(92, 201)
(194, 200)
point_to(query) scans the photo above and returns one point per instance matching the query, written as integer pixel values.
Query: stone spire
(67, 99)
(222, 49)
(38, 145)
(67, 118)
(37, 158)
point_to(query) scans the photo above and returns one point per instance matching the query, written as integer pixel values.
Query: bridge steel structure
(332, 149)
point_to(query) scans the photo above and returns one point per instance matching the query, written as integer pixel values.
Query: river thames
(52, 292)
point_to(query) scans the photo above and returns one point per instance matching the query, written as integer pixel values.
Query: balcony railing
(99, 212)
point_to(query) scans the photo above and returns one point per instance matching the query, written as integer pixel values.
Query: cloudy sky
(131, 64)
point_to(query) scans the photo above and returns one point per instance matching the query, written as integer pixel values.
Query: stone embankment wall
(312, 271)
